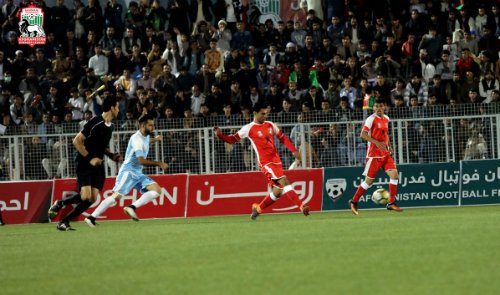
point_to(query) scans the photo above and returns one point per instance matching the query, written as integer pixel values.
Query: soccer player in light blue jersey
(131, 175)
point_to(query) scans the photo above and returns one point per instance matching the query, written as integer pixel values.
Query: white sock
(145, 198)
(108, 202)
(365, 185)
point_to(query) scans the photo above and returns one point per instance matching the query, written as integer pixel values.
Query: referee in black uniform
(92, 143)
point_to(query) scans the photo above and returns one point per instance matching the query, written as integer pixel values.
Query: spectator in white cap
(291, 54)
(223, 36)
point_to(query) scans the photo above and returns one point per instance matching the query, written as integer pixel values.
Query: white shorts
(126, 181)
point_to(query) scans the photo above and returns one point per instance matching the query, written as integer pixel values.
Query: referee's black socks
(74, 199)
(79, 209)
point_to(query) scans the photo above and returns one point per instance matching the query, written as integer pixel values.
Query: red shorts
(374, 164)
(273, 172)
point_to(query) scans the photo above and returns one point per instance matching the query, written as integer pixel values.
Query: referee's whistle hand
(95, 161)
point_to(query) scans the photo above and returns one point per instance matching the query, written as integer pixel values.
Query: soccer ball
(380, 197)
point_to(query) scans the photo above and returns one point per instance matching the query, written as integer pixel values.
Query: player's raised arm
(146, 162)
(286, 141)
(155, 139)
(226, 138)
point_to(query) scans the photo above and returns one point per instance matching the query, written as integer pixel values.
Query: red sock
(393, 189)
(360, 191)
(294, 197)
(266, 202)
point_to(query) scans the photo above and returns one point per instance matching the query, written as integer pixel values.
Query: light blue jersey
(130, 174)
(138, 146)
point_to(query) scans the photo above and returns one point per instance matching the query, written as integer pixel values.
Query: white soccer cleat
(90, 222)
(131, 212)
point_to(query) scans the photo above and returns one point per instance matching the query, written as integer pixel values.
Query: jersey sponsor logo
(259, 133)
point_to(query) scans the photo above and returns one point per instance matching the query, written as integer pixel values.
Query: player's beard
(147, 132)
(260, 120)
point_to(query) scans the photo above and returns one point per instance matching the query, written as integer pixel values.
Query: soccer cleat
(394, 207)
(305, 210)
(90, 221)
(354, 207)
(131, 212)
(255, 211)
(64, 226)
(54, 209)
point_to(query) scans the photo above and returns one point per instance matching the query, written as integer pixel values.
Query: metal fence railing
(325, 140)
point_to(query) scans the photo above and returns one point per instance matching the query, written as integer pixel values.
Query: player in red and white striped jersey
(261, 134)
(378, 156)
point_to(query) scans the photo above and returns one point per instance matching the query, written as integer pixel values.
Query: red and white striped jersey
(262, 137)
(378, 128)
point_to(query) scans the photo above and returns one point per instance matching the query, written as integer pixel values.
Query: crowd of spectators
(199, 63)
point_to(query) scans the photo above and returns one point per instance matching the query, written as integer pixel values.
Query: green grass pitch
(419, 251)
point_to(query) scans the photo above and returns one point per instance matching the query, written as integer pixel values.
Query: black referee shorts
(87, 174)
